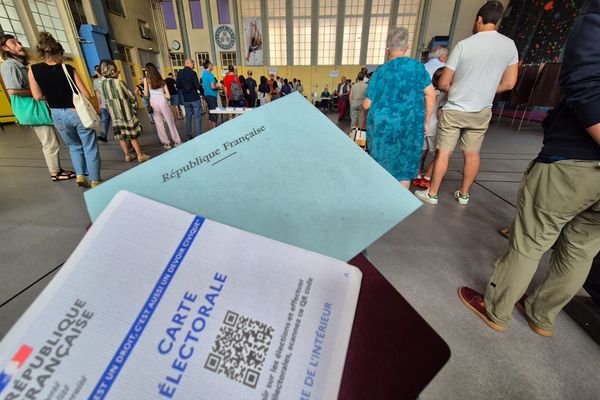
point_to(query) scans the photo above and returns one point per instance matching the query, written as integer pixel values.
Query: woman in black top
(263, 91)
(48, 81)
(245, 90)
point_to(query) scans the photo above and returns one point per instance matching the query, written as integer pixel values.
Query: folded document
(283, 171)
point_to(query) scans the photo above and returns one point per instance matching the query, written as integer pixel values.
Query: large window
(47, 18)
(378, 29)
(408, 13)
(327, 32)
(302, 31)
(329, 46)
(353, 22)
(277, 32)
(10, 21)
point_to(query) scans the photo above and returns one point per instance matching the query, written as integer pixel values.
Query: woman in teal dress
(400, 100)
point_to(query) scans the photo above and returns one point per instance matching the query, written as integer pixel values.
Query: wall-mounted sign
(272, 70)
(225, 37)
(334, 74)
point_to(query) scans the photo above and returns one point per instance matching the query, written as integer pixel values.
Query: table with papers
(230, 110)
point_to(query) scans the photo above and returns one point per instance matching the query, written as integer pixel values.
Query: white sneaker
(423, 195)
(463, 199)
(167, 146)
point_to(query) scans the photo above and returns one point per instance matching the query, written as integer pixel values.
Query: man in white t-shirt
(477, 69)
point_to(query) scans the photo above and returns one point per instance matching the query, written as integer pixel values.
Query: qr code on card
(240, 349)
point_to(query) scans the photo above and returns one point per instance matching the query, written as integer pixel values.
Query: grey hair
(441, 51)
(397, 39)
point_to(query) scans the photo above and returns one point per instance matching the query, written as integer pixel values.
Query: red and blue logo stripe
(14, 365)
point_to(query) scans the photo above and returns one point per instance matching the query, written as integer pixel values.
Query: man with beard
(14, 74)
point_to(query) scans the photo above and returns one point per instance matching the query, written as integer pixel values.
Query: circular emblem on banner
(225, 37)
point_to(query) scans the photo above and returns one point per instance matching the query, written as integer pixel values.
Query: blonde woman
(120, 103)
(157, 90)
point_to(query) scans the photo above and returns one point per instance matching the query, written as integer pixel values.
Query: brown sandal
(62, 175)
(504, 232)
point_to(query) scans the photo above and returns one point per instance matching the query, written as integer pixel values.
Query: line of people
(276, 87)
(42, 92)
(46, 83)
(559, 197)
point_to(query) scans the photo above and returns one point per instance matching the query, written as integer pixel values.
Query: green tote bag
(29, 111)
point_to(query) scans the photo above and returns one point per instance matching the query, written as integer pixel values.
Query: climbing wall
(553, 30)
(540, 27)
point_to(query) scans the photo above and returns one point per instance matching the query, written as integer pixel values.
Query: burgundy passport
(393, 353)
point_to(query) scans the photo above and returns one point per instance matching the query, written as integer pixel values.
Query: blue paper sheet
(284, 171)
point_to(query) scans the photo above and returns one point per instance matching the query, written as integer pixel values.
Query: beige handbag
(87, 114)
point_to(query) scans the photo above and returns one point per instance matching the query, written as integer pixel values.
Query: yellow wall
(6, 114)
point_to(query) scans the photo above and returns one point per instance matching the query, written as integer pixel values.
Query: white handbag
(87, 114)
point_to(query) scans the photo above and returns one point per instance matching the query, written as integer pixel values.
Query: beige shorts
(470, 127)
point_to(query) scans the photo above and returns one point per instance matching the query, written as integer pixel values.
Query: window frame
(19, 36)
(143, 24)
(198, 53)
(232, 61)
(327, 12)
(41, 25)
(278, 50)
(122, 13)
(177, 56)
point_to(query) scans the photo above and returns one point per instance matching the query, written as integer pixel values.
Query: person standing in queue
(14, 75)
(189, 85)
(48, 80)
